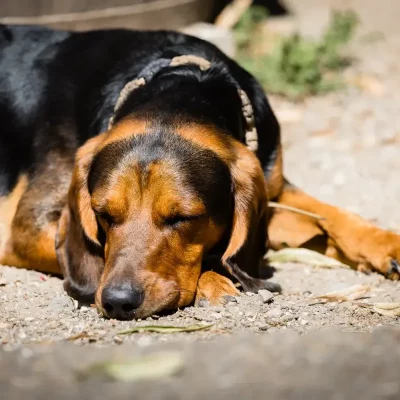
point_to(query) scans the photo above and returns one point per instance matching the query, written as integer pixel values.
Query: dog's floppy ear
(78, 248)
(247, 244)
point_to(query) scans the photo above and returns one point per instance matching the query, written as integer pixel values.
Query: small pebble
(118, 340)
(304, 314)
(265, 295)
(230, 299)
(61, 302)
(263, 328)
(288, 318)
(203, 303)
(233, 309)
(274, 312)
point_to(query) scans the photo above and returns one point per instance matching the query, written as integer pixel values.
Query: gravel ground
(342, 148)
(321, 365)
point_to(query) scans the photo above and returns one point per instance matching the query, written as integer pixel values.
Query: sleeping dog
(140, 165)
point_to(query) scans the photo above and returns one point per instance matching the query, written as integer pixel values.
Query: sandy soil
(342, 148)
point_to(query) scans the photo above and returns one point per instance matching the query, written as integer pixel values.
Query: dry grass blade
(388, 309)
(81, 335)
(304, 256)
(273, 204)
(147, 367)
(348, 294)
(165, 329)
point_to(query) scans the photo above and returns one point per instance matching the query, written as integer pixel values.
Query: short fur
(200, 197)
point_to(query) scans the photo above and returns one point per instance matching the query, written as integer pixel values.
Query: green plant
(246, 27)
(296, 67)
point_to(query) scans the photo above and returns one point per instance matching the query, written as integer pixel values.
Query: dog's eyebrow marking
(185, 157)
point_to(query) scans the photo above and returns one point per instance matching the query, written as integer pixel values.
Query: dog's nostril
(128, 307)
(108, 307)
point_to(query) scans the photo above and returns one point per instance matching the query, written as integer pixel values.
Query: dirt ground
(343, 148)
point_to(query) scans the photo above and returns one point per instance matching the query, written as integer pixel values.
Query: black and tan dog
(140, 164)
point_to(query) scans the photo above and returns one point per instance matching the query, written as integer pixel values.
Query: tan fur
(348, 237)
(142, 218)
(214, 287)
(8, 208)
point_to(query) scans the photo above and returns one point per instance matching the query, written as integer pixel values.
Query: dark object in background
(274, 7)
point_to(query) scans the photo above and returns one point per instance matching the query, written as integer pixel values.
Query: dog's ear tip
(254, 285)
(272, 286)
(84, 294)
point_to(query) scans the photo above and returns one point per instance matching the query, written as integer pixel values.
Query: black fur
(57, 89)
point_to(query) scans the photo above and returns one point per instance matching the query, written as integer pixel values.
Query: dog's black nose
(121, 302)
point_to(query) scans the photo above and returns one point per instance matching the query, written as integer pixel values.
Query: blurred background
(330, 68)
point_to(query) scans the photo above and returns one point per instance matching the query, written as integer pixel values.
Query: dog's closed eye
(176, 220)
(105, 217)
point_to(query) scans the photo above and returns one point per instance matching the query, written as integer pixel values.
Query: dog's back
(24, 52)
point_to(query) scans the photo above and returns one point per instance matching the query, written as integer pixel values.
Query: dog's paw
(393, 269)
(215, 289)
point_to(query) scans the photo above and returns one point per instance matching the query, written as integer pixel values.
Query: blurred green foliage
(296, 67)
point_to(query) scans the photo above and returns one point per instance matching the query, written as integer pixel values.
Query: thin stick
(110, 12)
(273, 204)
(231, 14)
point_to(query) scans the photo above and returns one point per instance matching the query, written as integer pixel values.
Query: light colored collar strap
(204, 65)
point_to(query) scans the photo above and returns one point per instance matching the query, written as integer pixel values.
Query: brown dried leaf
(388, 309)
(304, 256)
(348, 294)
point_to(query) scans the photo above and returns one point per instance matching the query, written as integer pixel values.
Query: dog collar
(154, 67)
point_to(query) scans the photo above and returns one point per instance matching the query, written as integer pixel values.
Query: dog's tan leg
(214, 287)
(32, 225)
(339, 234)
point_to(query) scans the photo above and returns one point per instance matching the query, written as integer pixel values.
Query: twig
(111, 12)
(273, 204)
(231, 14)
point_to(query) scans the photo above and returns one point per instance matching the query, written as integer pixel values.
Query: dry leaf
(304, 256)
(351, 293)
(81, 335)
(149, 366)
(165, 329)
(388, 309)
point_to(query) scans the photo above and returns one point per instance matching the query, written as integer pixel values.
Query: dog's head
(149, 204)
